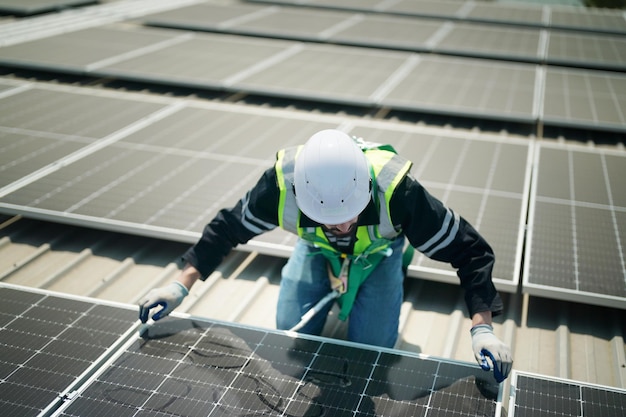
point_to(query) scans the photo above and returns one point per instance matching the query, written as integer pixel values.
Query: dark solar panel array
(68, 356)
(535, 395)
(192, 367)
(47, 342)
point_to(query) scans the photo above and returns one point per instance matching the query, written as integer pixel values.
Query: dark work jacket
(429, 226)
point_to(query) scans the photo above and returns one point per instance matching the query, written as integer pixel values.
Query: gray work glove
(488, 348)
(168, 297)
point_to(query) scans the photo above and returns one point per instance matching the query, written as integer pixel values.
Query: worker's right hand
(168, 297)
(488, 348)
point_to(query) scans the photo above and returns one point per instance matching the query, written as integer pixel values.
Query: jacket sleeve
(442, 235)
(255, 213)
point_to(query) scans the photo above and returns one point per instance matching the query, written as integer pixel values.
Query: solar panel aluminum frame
(96, 364)
(515, 374)
(138, 331)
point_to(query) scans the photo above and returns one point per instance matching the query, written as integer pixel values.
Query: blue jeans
(375, 315)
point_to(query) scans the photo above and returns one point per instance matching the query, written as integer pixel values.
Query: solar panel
(195, 367)
(251, 19)
(582, 99)
(590, 19)
(602, 20)
(39, 127)
(511, 43)
(467, 87)
(48, 342)
(30, 7)
(168, 174)
(389, 32)
(301, 24)
(576, 238)
(587, 50)
(74, 51)
(336, 74)
(372, 30)
(332, 73)
(521, 14)
(534, 395)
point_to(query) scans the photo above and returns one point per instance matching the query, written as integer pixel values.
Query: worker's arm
(441, 234)
(255, 213)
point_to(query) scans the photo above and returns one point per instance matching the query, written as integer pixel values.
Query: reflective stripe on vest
(388, 170)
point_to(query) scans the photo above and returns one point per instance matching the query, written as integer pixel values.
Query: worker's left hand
(168, 298)
(489, 349)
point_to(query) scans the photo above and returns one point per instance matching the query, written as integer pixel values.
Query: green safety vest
(372, 245)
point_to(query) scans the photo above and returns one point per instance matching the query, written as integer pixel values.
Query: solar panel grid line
(542, 46)
(139, 52)
(51, 343)
(278, 89)
(15, 90)
(524, 15)
(620, 249)
(432, 42)
(265, 64)
(248, 17)
(231, 369)
(222, 201)
(572, 194)
(465, 9)
(533, 394)
(90, 149)
(577, 264)
(447, 189)
(208, 155)
(25, 8)
(81, 18)
(579, 98)
(546, 14)
(341, 26)
(281, 247)
(488, 184)
(411, 62)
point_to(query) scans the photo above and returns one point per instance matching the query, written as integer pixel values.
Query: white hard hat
(331, 178)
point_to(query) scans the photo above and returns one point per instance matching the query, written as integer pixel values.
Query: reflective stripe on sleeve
(444, 236)
(250, 221)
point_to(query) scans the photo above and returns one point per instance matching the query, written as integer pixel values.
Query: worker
(352, 204)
